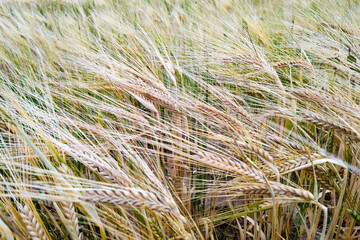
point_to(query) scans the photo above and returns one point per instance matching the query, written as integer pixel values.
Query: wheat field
(179, 119)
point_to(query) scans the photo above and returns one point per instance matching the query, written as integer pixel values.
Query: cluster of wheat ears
(161, 119)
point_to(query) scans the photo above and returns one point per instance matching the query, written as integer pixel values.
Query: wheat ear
(237, 109)
(104, 170)
(294, 146)
(327, 123)
(337, 27)
(109, 174)
(71, 217)
(328, 182)
(230, 166)
(120, 112)
(243, 60)
(215, 113)
(155, 228)
(295, 163)
(258, 151)
(131, 197)
(279, 189)
(291, 63)
(160, 96)
(321, 98)
(250, 147)
(32, 225)
(269, 203)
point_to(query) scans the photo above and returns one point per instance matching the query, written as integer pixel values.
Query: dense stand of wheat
(159, 119)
